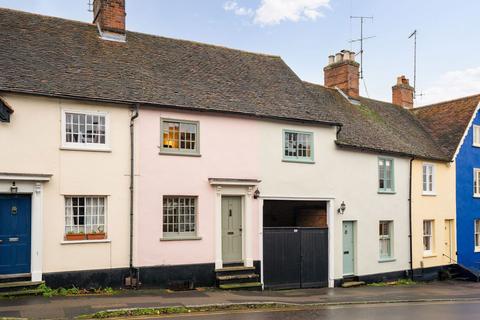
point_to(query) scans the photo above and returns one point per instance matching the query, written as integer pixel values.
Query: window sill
(429, 255)
(298, 161)
(85, 241)
(386, 260)
(476, 196)
(386, 192)
(429, 194)
(181, 239)
(89, 149)
(179, 153)
(477, 249)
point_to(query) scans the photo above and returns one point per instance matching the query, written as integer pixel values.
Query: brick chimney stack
(109, 15)
(402, 93)
(343, 72)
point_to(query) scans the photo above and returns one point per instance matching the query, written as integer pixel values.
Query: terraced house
(137, 158)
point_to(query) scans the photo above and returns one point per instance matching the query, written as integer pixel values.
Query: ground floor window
(427, 236)
(85, 217)
(179, 216)
(477, 234)
(385, 234)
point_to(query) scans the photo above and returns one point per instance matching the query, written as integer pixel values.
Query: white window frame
(476, 183)
(179, 151)
(476, 234)
(428, 252)
(85, 232)
(190, 235)
(85, 146)
(382, 174)
(306, 159)
(388, 237)
(428, 178)
(476, 136)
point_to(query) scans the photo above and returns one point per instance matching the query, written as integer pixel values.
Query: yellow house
(433, 217)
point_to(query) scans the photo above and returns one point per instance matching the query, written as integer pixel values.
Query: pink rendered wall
(229, 149)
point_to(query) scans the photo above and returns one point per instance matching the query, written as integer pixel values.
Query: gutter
(133, 280)
(410, 217)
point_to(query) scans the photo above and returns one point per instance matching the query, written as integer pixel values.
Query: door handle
(14, 239)
(230, 233)
(346, 252)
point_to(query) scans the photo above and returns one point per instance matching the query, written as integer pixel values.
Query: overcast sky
(305, 32)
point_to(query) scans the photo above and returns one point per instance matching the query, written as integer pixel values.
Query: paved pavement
(69, 307)
(423, 311)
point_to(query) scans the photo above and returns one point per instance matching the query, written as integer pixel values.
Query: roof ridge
(447, 101)
(146, 34)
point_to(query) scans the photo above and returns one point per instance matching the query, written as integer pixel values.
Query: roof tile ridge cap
(46, 16)
(437, 104)
(218, 46)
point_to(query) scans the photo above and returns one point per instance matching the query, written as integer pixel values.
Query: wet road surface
(415, 311)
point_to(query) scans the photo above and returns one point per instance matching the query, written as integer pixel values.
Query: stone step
(242, 286)
(18, 293)
(237, 276)
(6, 287)
(351, 284)
(15, 277)
(235, 268)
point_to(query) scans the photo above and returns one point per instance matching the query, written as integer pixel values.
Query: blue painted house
(455, 125)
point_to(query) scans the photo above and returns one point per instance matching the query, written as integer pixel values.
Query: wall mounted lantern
(342, 208)
(13, 188)
(256, 194)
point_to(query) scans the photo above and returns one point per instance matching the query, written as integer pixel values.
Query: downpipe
(410, 217)
(132, 281)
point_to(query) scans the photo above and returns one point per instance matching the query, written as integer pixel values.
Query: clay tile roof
(53, 56)
(379, 126)
(447, 121)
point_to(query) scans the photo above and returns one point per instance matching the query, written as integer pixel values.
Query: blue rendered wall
(468, 207)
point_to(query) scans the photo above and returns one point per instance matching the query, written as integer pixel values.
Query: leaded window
(179, 216)
(298, 146)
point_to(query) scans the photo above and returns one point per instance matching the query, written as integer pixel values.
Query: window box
(297, 146)
(96, 236)
(75, 236)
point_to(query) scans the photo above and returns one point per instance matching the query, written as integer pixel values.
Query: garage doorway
(295, 244)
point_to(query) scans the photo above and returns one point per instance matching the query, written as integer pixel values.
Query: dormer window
(5, 111)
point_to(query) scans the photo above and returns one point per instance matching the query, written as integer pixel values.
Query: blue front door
(15, 233)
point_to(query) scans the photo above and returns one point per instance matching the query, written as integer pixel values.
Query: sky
(305, 32)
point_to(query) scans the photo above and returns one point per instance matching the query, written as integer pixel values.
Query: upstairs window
(476, 182)
(427, 237)
(84, 130)
(179, 137)
(385, 175)
(297, 146)
(385, 234)
(476, 136)
(428, 178)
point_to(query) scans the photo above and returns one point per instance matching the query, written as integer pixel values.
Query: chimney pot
(331, 59)
(343, 73)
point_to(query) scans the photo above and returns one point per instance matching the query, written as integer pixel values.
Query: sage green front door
(348, 248)
(232, 229)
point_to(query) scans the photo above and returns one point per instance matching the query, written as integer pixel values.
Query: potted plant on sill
(98, 234)
(74, 236)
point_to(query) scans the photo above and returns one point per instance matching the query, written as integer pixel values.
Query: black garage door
(295, 257)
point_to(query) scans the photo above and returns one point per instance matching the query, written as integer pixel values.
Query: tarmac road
(411, 311)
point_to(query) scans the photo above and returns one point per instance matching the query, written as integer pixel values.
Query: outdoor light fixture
(13, 188)
(256, 194)
(342, 208)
